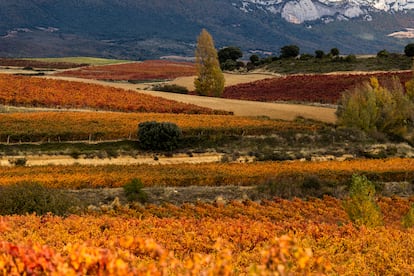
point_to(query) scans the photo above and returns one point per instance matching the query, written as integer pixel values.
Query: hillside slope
(149, 29)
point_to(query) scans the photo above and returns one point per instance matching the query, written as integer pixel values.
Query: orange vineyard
(282, 236)
(38, 92)
(33, 127)
(214, 174)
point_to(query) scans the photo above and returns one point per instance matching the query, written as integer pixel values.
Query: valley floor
(283, 111)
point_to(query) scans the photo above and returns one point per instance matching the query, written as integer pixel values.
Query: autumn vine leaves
(38, 92)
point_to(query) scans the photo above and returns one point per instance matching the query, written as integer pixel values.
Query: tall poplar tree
(210, 80)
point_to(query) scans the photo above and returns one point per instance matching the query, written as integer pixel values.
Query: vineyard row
(209, 174)
(257, 239)
(72, 126)
(40, 92)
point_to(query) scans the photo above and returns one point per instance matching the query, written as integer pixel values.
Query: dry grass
(231, 79)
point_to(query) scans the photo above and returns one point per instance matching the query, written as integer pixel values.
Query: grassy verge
(87, 60)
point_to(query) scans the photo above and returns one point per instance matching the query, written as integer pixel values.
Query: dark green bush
(19, 162)
(289, 51)
(409, 50)
(174, 88)
(133, 191)
(350, 58)
(159, 136)
(32, 197)
(311, 182)
(383, 54)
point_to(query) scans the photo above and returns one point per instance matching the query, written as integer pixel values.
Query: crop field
(75, 126)
(209, 174)
(82, 60)
(44, 64)
(322, 88)
(139, 71)
(282, 218)
(299, 237)
(37, 92)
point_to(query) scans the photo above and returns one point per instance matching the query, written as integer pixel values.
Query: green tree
(232, 53)
(334, 52)
(319, 54)
(210, 80)
(383, 54)
(254, 59)
(159, 136)
(409, 50)
(289, 51)
(229, 65)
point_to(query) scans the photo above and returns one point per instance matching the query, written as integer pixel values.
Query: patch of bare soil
(173, 195)
(104, 199)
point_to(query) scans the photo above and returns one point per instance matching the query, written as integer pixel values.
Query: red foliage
(322, 88)
(138, 71)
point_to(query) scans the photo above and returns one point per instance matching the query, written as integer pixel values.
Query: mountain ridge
(150, 29)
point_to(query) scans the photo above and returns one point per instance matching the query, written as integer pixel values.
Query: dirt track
(238, 107)
(45, 160)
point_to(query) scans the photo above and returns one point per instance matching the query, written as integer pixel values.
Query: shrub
(229, 65)
(289, 51)
(311, 182)
(254, 59)
(361, 206)
(32, 197)
(306, 57)
(319, 54)
(174, 88)
(383, 54)
(229, 53)
(350, 58)
(18, 162)
(159, 136)
(408, 219)
(372, 107)
(334, 52)
(409, 50)
(133, 191)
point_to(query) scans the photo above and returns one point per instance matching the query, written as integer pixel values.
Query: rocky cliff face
(299, 11)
